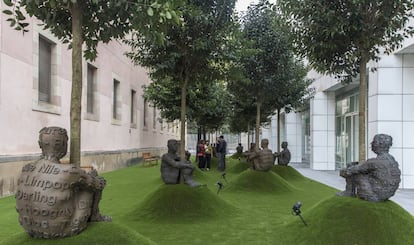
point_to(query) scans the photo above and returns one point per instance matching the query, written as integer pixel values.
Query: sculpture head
(284, 144)
(381, 143)
(172, 146)
(54, 142)
(264, 143)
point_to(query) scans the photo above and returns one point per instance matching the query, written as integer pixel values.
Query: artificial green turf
(252, 208)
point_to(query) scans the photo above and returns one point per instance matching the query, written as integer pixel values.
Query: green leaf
(19, 15)
(52, 3)
(150, 11)
(168, 15)
(12, 22)
(8, 3)
(8, 12)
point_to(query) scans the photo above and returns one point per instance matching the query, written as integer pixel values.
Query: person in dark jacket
(222, 149)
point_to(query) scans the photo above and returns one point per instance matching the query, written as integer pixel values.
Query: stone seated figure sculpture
(262, 159)
(57, 200)
(283, 157)
(172, 167)
(375, 179)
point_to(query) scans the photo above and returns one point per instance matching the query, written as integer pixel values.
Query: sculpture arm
(176, 164)
(253, 155)
(90, 181)
(361, 168)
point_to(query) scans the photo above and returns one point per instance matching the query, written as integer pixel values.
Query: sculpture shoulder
(168, 157)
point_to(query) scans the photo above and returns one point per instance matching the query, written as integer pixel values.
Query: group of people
(205, 151)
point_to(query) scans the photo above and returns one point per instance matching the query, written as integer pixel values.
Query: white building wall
(290, 131)
(294, 136)
(322, 121)
(391, 109)
(270, 132)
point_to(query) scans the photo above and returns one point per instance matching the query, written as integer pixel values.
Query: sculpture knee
(170, 176)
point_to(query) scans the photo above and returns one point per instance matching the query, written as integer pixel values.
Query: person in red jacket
(201, 154)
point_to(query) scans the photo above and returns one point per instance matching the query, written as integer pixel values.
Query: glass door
(351, 138)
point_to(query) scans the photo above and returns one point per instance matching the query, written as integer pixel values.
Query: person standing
(222, 149)
(201, 154)
(209, 150)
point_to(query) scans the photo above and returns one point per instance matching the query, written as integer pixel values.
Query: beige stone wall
(101, 161)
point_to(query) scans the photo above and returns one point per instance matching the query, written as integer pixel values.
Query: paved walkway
(404, 198)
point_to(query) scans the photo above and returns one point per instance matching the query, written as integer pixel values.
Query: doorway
(347, 131)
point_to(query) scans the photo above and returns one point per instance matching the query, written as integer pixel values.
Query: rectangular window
(133, 107)
(116, 102)
(45, 70)
(90, 89)
(145, 112)
(154, 118)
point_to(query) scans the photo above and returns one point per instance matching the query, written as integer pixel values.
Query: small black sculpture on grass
(296, 211)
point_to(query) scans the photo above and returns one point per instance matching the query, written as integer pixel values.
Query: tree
(207, 105)
(268, 63)
(212, 107)
(293, 92)
(340, 37)
(189, 49)
(90, 22)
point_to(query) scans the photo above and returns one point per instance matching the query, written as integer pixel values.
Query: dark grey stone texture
(283, 157)
(172, 168)
(375, 179)
(57, 200)
(262, 159)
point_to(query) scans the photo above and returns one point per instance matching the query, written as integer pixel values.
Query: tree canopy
(340, 37)
(268, 65)
(188, 51)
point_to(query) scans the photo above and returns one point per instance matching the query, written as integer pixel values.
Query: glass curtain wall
(306, 146)
(346, 130)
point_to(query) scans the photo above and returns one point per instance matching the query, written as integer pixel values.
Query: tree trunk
(183, 115)
(76, 95)
(248, 136)
(278, 130)
(258, 106)
(362, 107)
(204, 133)
(198, 134)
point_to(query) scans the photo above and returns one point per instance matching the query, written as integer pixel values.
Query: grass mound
(181, 203)
(287, 172)
(258, 181)
(239, 167)
(237, 155)
(345, 220)
(96, 233)
(199, 175)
